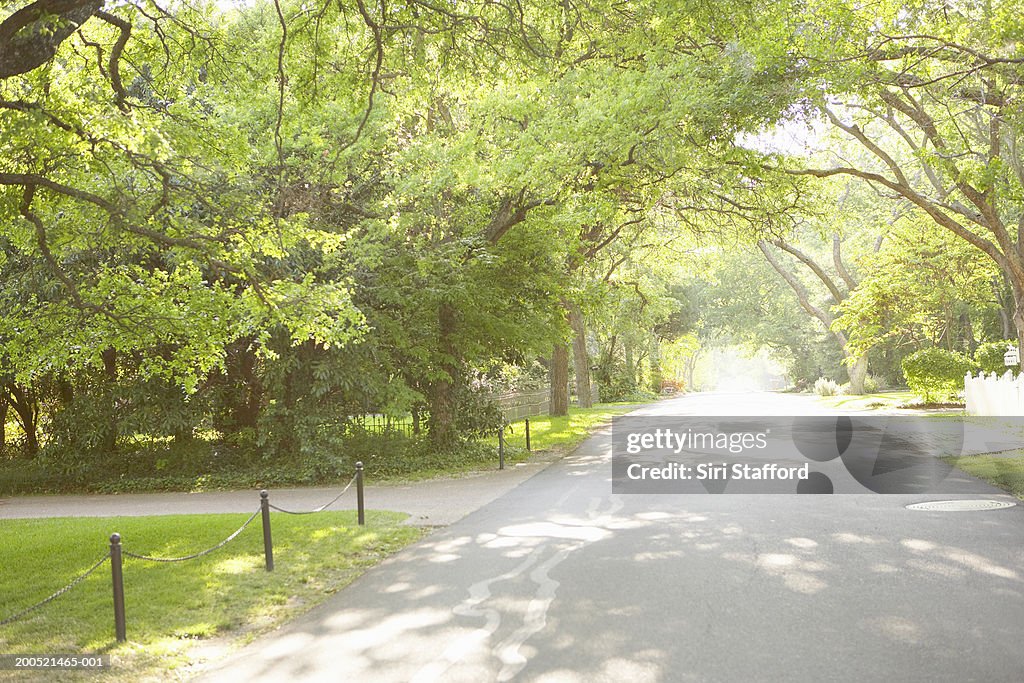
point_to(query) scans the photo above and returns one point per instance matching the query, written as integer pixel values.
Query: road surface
(560, 580)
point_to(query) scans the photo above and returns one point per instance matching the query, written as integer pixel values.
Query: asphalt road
(560, 580)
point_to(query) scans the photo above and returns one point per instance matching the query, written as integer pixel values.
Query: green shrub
(989, 356)
(936, 374)
(637, 395)
(872, 384)
(826, 387)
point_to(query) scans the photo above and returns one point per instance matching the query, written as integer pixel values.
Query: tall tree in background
(924, 287)
(856, 363)
(931, 92)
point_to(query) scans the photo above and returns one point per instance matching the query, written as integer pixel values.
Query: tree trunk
(442, 415)
(690, 369)
(66, 392)
(184, 434)
(3, 420)
(627, 359)
(655, 353)
(27, 412)
(1007, 323)
(581, 359)
(1005, 300)
(110, 430)
(969, 342)
(1018, 315)
(246, 412)
(858, 372)
(440, 393)
(559, 380)
(240, 403)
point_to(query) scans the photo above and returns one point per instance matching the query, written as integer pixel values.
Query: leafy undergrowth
(207, 465)
(564, 432)
(931, 406)
(177, 614)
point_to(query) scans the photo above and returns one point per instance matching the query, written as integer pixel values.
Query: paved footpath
(436, 502)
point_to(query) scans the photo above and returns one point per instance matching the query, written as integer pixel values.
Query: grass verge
(1005, 472)
(880, 401)
(568, 431)
(546, 434)
(177, 614)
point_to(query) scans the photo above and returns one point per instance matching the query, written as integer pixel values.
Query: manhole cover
(960, 505)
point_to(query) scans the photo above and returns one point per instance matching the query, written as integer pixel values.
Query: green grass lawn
(1005, 472)
(546, 433)
(879, 401)
(568, 431)
(173, 610)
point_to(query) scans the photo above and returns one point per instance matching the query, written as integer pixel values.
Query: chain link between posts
(193, 556)
(127, 553)
(322, 507)
(77, 580)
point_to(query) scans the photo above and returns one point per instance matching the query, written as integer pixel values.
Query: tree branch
(829, 283)
(510, 213)
(929, 207)
(29, 38)
(801, 292)
(837, 259)
(114, 61)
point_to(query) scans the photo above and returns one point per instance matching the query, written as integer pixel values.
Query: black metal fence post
(501, 448)
(360, 509)
(527, 435)
(116, 574)
(268, 543)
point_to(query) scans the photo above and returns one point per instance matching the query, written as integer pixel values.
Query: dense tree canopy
(265, 221)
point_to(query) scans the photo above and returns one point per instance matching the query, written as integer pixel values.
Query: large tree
(932, 93)
(856, 363)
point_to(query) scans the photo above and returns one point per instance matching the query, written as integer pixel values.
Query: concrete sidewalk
(434, 502)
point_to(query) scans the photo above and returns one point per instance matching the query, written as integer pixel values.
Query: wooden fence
(513, 406)
(994, 395)
(517, 405)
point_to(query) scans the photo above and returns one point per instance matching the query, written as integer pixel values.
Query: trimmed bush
(988, 357)
(936, 374)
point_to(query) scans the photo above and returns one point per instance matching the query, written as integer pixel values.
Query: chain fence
(116, 553)
(322, 507)
(74, 582)
(193, 556)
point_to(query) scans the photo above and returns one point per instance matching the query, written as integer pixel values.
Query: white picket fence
(994, 395)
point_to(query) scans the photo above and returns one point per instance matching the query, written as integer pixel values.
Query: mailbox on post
(1012, 356)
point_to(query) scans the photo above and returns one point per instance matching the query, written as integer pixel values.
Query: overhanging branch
(30, 37)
